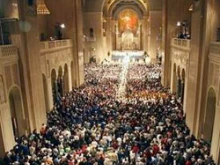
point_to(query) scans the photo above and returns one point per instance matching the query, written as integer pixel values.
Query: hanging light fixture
(191, 7)
(42, 8)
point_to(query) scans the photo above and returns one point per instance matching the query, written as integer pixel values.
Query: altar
(133, 55)
(128, 38)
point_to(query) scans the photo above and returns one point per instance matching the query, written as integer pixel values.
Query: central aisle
(123, 81)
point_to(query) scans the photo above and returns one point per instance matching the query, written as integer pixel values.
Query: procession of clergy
(98, 124)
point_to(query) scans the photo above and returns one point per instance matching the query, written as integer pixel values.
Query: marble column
(2, 148)
(193, 76)
(7, 141)
(145, 34)
(116, 37)
(30, 65)
(77, 37)
(155, 25)
(108, 34)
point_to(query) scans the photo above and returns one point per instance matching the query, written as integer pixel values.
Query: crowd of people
(95, 73)
(144, 83)
(142, 72)
(90, 126)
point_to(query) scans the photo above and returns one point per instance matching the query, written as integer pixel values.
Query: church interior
(111, 67)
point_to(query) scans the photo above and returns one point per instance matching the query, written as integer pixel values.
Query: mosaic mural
(128, 20)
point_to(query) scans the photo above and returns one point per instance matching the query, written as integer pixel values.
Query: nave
(95, 124)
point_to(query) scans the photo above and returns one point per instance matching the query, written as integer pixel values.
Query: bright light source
(178, 23)
(191, 7)
(126, 59)
(62, 25)
(15, 4)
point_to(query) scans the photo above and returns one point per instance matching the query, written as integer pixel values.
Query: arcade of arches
(44, 55)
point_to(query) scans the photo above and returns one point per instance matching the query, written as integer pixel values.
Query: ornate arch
(131, 7)
(209, 114)
(137, 3)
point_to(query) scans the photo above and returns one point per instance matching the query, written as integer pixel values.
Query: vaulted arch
(209, 115)
(109, 9)
(17, 112)
(131, 7)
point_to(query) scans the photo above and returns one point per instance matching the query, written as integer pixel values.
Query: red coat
(156, 149)
(135, 149)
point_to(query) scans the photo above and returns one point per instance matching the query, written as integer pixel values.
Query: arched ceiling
(109, 9)
(132, 7)
(101, 5)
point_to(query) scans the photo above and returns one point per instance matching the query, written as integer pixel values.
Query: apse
(128, 30)
(128, 20)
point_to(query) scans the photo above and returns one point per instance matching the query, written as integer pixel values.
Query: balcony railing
(181, 43)
(57, 44)
(215, 48)
(8, 51)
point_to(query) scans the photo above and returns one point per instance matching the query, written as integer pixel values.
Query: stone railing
(57, 44)
(215, 48)
(8, 51)
(180, 51)
(181, 43)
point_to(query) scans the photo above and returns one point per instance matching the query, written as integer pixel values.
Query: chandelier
(42, 8)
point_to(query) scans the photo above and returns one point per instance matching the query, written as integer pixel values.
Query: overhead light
(178, 23)
(191, 7)
(62, 25)
(14, 4)
(42, 8)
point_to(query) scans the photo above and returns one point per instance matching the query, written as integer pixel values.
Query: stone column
(30, 65)
(140, 35)
(116, 36)
(2, 148)
(165, 59)
(185, 88)
(209, 13)
(193, 65)
(94, 20)
(155, 24)
(113, 34)
(145, 32)
(6, 135)
(77, 37)
(108, 34)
